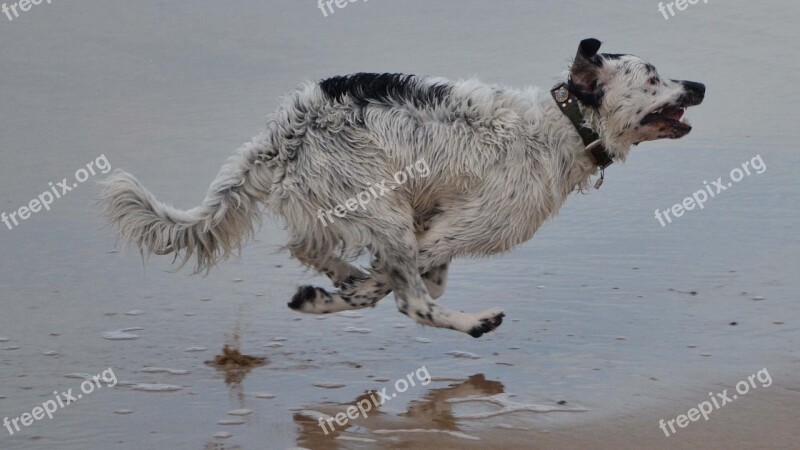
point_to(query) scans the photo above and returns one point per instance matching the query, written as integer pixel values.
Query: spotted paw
(486, 325)
(310, 299)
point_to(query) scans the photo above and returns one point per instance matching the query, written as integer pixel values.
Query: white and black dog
(501, 161)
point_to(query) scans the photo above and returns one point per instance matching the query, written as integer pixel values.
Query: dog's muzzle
(669, 118)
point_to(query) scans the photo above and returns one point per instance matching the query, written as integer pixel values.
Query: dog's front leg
(436, 280)
(400, 256)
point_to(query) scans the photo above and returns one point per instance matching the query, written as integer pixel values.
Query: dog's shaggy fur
(502, 161)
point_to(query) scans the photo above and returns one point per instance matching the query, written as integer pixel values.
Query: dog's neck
(575, 167)
(594, 145)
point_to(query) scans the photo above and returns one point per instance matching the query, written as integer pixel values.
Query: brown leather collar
(591, 140)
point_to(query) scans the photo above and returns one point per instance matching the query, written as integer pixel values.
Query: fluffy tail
(212, 231)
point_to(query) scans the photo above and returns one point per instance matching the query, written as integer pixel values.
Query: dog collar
(591, 140)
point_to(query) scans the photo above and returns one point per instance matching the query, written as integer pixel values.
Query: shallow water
(601, 319)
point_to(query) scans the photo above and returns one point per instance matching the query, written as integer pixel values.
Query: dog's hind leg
(316, 300)
(371, 287)
(357, 289)
(338, 270)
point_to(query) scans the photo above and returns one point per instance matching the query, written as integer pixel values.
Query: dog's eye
(653, 81)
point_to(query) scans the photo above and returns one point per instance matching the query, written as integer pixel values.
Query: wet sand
(769, 422)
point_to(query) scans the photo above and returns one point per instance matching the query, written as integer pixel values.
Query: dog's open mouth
(670, 121)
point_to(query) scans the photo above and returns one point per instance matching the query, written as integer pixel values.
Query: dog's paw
(487, 324)
(310, 299)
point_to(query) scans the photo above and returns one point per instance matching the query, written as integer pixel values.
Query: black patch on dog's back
(383, 88)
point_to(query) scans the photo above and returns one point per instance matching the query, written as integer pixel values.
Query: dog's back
(329, 140)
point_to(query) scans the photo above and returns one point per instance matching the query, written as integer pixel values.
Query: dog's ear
(584, 72)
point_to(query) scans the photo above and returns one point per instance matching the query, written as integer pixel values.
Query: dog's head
(626, 100)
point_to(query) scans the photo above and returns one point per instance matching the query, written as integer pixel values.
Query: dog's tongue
(674, 113)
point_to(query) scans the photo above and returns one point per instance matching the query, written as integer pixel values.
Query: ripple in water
(119, 335)
(150, 387)
(164, 370)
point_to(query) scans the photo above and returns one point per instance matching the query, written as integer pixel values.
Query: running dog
(501, 161)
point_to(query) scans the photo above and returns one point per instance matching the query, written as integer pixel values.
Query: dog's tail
(224, 221)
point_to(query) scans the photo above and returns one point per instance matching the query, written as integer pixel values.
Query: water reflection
(433, 411)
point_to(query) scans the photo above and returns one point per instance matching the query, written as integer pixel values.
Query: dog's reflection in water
(431, 412)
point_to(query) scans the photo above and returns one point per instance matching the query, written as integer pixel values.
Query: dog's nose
(695, 93)
(700, 88)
